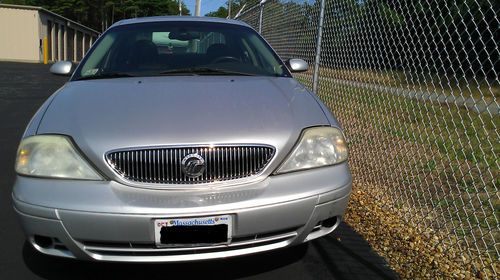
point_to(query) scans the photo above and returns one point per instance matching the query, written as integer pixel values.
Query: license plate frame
(176, 232)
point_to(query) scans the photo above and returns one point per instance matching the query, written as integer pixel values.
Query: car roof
(179, 18)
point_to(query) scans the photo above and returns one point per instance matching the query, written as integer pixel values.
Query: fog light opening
(43, 241)
(60, 247)
(323, 227)
(330, 222)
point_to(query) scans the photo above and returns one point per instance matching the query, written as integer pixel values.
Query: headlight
(318, 146)
(52, 156)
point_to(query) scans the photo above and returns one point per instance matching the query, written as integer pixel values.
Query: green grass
(441, 84)
(426, 153)
(457, 133)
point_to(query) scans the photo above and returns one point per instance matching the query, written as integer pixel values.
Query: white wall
(19, 35)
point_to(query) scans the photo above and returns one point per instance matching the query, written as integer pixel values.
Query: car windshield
(180, 48)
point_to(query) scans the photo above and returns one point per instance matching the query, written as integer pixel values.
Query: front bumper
(112, 222)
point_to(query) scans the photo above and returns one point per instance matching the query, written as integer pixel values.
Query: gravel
(414, 253)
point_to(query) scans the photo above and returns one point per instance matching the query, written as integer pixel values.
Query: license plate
(197, 231)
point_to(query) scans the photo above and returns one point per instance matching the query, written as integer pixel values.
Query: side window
(264, 57)
(99, 56)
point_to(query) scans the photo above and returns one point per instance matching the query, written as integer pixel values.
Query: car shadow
(59, 268)
(347, 255)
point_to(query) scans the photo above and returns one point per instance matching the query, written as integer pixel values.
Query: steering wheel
(225, 58)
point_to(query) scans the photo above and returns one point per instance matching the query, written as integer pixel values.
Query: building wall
(19, 35)
(23, 29)
(63, 45)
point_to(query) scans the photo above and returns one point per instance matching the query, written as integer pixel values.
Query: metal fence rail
(415, 84)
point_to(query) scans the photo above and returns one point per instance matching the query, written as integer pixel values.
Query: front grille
(165, 165)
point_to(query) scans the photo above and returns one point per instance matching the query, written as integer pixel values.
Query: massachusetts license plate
(193, 231)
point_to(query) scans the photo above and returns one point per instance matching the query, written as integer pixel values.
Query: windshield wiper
(110, 75)
(204, 71)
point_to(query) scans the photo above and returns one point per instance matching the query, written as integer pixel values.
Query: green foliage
(220, 13)
(236, 6)
(100, 14)
(408, 34)
(391, 16)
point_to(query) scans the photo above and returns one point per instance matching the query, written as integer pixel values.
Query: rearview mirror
(183, 35)
(64, 68)
(297, 65)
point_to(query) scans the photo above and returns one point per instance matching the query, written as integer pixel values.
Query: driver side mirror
(297, 65)
(63, 68)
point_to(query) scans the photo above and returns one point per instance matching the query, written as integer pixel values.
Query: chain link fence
(415, 85)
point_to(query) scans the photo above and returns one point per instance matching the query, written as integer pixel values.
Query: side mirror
(297, 65)
(64, 68)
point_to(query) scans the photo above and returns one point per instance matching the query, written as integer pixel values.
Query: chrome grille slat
(141, 164)
(163, 165)
(152, 165)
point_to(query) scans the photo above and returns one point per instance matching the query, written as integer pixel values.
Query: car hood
(104, 115)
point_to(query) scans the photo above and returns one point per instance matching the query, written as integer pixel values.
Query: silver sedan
(180, 139)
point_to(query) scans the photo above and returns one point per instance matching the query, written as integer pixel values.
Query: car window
(150, 49)
(165, 45)
(249, 52)
(99, 55)
(209, 40)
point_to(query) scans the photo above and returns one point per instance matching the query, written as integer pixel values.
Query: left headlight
(317, 146)
(52, 156)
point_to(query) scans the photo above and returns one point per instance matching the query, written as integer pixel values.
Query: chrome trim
(153, 254)
(163, 164)
(194, 256)
(131, 249)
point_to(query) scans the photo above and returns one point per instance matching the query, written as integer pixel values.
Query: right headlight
(52, 156)
(317, 146)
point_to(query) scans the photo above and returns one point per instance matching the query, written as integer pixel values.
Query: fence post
(318, 47)
(261, 13)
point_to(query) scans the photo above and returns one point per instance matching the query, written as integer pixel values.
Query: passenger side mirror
(64, 68)
(297, 65)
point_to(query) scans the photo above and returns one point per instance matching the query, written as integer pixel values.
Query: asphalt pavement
(343, 254)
